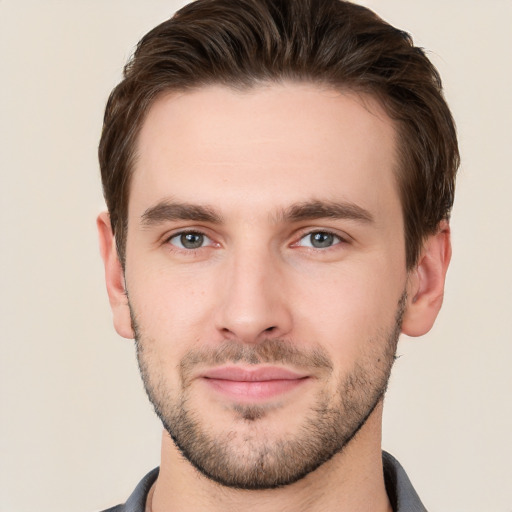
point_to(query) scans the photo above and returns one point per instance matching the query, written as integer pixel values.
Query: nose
(253, 304)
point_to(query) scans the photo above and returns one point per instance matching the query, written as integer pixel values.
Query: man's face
(265, 270)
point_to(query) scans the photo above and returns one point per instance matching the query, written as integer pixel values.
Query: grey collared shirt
(400, 491)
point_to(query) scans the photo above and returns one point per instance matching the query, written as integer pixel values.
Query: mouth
(248, 385)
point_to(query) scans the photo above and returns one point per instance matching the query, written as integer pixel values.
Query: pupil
(192, 240)
(320, 240)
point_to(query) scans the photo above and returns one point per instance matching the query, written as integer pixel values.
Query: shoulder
(400, 491)
(137, 500)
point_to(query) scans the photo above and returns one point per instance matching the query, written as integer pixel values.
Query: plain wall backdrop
(76, 430)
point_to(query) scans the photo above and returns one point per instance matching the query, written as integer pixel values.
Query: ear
(425, 287)
(114, 277)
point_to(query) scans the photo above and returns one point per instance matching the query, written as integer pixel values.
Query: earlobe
(114, 277)
(425, 288)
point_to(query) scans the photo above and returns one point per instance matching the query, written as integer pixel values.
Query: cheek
(346, 308)
(172, 308)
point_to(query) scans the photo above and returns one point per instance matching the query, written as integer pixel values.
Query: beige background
(76, 431)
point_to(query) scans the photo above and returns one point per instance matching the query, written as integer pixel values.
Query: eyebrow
(166, 211)
(310, 210)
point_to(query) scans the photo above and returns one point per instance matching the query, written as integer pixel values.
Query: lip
(252, 384)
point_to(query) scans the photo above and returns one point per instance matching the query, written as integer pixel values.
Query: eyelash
(338, 239)
(185, 233)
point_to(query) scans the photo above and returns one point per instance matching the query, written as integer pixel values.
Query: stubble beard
(251, 459)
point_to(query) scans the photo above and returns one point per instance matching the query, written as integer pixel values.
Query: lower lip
(255, 390)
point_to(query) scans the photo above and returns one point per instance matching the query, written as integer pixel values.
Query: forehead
(265, 147)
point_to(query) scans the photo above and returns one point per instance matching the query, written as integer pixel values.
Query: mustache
(272, 350)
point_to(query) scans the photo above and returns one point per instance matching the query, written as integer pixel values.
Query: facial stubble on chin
(251, 459)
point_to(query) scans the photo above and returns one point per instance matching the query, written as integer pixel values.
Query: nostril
(270, 329)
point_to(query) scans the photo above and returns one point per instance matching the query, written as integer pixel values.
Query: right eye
(190, 240)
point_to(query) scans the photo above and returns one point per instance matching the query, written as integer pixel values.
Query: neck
(351, 481)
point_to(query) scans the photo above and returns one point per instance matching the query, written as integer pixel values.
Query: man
(279, 176)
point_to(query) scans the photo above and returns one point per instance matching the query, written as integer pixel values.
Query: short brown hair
(331, 42)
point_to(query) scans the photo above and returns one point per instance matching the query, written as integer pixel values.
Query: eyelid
(343, 237)
(184, 231)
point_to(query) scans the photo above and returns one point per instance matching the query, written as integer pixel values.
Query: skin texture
(248, 452)
(250, 176)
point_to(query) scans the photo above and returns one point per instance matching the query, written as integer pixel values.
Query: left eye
(319, 240)
(190, 240)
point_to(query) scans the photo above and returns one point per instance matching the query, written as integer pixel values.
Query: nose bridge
(252, 305)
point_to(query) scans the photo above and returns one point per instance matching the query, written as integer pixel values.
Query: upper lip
(259, 374)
